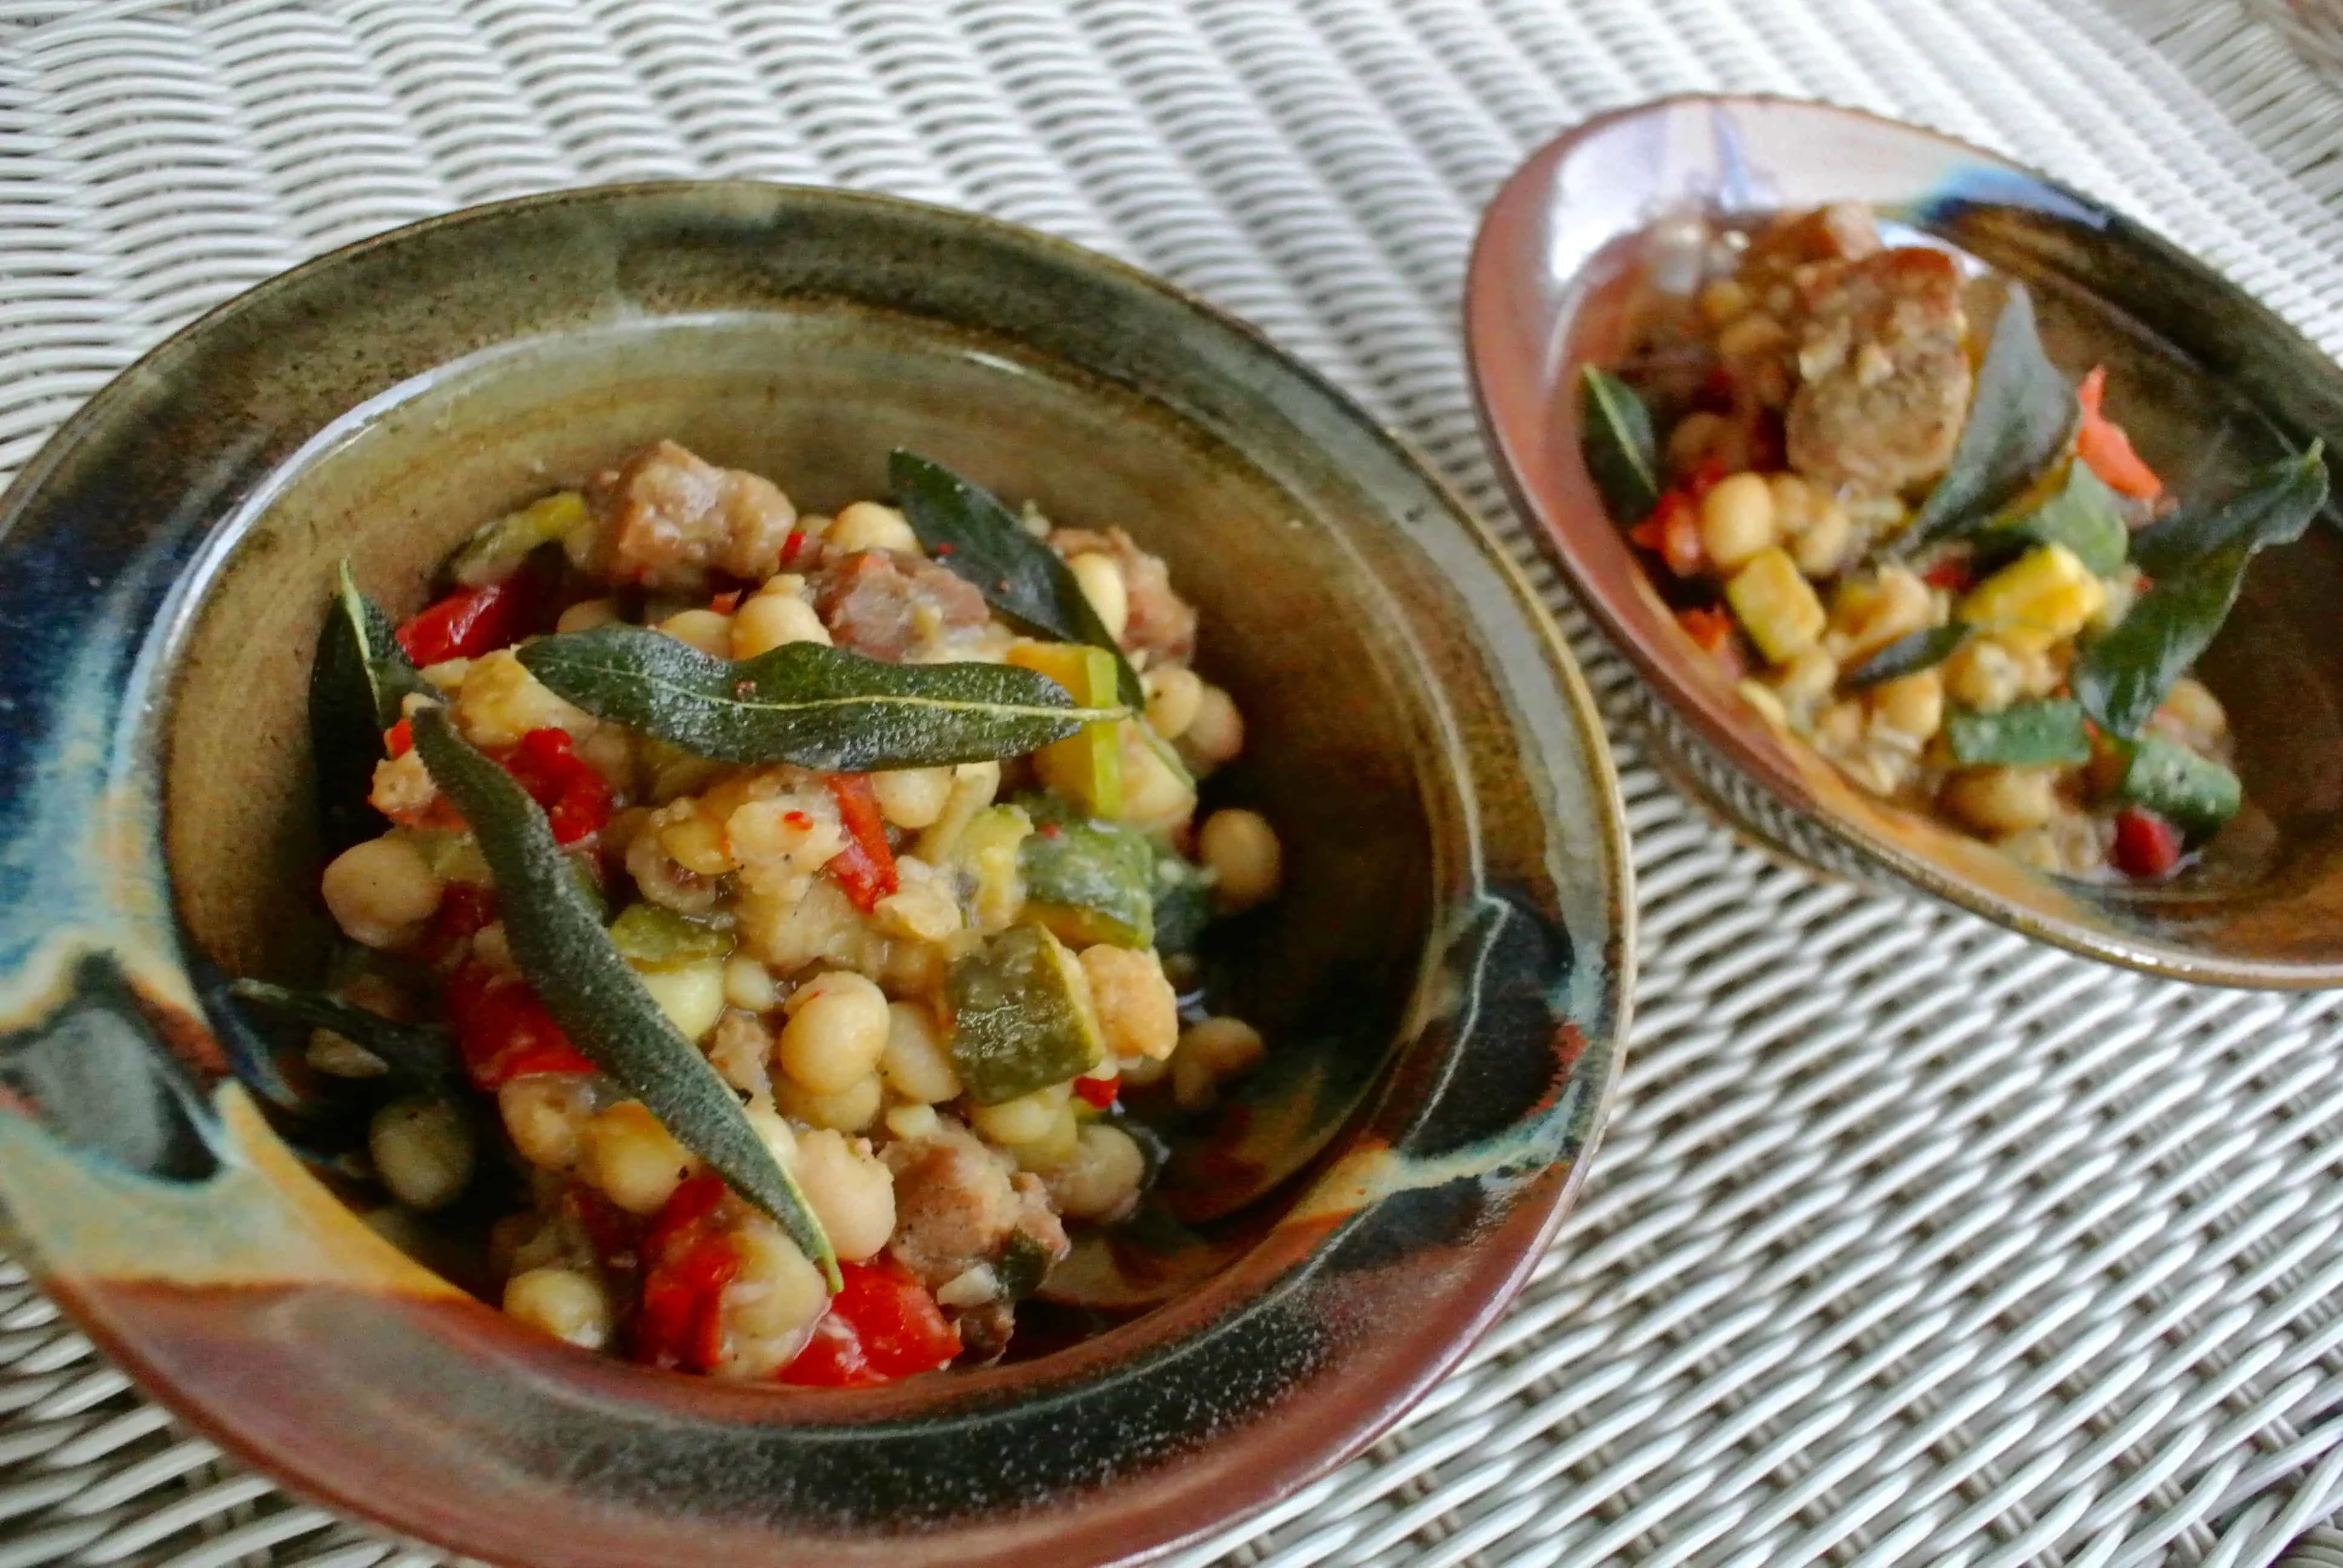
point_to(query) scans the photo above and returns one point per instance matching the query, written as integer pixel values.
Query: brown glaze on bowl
(1444, 984)
(2210, 384)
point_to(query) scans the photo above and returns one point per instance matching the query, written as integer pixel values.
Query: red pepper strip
(502, 1030)
(463, 909)
(725, 602)
(792, 547)
(1706, 476)
(864, 869)
(1098, 1092)
(576, 799)
(1711, 628)
(2102, 446)
(881, 1326)
(1952, 573)
(469, 622)
(2146, 846)
(399, 738)
(687, 1263)
(1673, 531)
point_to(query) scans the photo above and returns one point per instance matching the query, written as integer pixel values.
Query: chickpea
(1137, 1012)
(1210, 1052)
(1722, 299)
(709, 631)
(588, 614)
(775, 1296)
(1911, 705)
(545, 1115)
(912, 797)
(1869, 613)
(1839, 726)
(749, 985)
(1024, 1120)
(1175, 695)
(1242, 849)
(1216, 734)
(1736, 520)
(768, 620)
(1808, 678)
(915, 1063)
(1999, 800)
(851, 1192)
(1752, 333)
(692, 997)
(1983, 673)
(423, 1150)
(868, 526)
(836, 1031)
(380, 891)
(1102, 582)
(1100, 1182)
(2192, 714)
(774, 1131)
(636, 1161)
(1813, 521)
(569, 1305)
(912, 1123)
(1056, 1148)
(850, 1109)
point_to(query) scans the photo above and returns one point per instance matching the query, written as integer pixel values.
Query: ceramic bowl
(2210, 383)
(1445, 981)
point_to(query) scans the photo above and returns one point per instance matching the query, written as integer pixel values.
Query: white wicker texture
(1911, 1243)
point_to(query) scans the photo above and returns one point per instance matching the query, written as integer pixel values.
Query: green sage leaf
(2025, 735)
(1910, 654)
(557, 940)
(971, 535)
(807, 703)
(1622, 454)
(415, 1052)
(2085, 516)
(2122, 677)
(2020, 419)
(2274, 508)
(356, 684)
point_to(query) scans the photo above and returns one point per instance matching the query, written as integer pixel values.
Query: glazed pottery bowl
(2211, 386)
(1445, 979)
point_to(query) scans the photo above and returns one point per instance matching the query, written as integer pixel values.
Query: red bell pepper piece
(864, 869)
(399, 738)
(502, 1030)
(469, 622)
(1672, 532)
(1952, 573)
(2146, 846)
(687, 1263)
(575, 797)
(793, 547)
(1709, 626)
(881, 1326)
(2106, 450)
(1098, 1092)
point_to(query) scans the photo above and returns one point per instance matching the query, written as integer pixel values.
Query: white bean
(636, 1163)
(423, 1151)
(836, 1031)
(1242, 852)
(852, 1193)
(380, 890)
(569, 1305)
(915, 1062)
(868, 526)
(1100, 580)
(1101, 1181)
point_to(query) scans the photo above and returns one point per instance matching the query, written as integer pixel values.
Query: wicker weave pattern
(1911, 1243)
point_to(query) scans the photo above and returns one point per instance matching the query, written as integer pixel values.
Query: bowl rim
(1721, 735)
(1607, 831)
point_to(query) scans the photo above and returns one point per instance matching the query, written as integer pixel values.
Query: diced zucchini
(989, 850)
(2023, 735)
(1088, 881)
(2194, 792)
(1776, 605)
(496, 549)
(1021, 1016)
(2043, 596)
(651, 939)
(1085, 768)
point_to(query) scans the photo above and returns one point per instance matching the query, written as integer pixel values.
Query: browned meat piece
(1161, 621)
(1884, 373)
(1036, 1221)
(954, 1204)
(883, 605)
(668, 516)
(984, 1331)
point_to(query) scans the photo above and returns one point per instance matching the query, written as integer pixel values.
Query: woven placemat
(1911, 1241)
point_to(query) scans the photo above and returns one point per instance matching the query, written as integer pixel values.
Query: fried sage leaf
(967, 529)
(1910, 654)
(1622, 454)
(414, 1051)
(807, 703)
(2199, 559)
(2085, 516)
(2273, 509)
(557, 940)
(2019, 422)
(356, 684)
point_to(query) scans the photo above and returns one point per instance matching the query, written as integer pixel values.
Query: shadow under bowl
(1443, 985)
(2210, 383)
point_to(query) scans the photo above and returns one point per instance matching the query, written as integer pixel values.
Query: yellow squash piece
(1776, 605)
(2043, 596)
(1085, 769)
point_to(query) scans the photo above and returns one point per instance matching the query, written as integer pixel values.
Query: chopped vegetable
(2145, 845)
(2027, 735)
(2101, 443)
(1088, 881)
(1020, 1021)
(503, 1030)
(2083, 515)
(577, 799)
(807, 703)
(1709, 627)
(2043, 596)
(988, 852)
(2194, 792)
(650, 938)
(1620, 454)
(1909, 655)
(1672, 532)
(468, 623)
(880, 1326)
(687, 1261)
(496, 549)
(1097, 1092)
(1776, 605)
(864, 869)
(1085, 768)
(2019, 419)
(355, 685)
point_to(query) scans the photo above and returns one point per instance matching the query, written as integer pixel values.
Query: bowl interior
(2210, 384)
